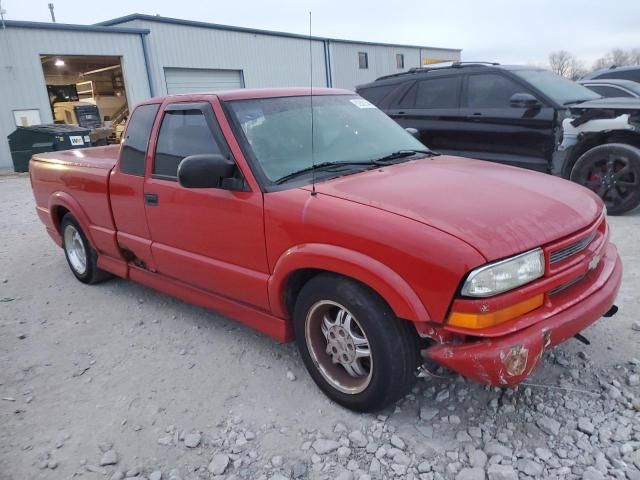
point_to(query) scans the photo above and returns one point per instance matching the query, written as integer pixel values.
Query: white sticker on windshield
(362, 103)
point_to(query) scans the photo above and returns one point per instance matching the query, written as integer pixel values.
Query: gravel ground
(116, 381)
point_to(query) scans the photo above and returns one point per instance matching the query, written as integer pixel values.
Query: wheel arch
(591, 140)
(61, 203)
(299, 264)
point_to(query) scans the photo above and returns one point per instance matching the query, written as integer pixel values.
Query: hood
(622, 103)
(497, 209)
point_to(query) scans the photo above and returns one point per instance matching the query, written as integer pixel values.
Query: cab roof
(252, 93)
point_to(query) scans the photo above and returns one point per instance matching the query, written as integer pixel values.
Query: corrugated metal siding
(192, 80)
(382, 61)
(22, 83)
(265, 60)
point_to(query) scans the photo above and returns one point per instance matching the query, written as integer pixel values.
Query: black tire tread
(398, 335)
(588, 156)
(93, 274)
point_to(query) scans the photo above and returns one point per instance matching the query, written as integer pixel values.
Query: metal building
(145, 55)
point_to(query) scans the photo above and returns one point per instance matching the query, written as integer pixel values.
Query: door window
(376, 94)
(136, 140)
(607, 91)
(491, 91)
(182, 133)
(433, 93)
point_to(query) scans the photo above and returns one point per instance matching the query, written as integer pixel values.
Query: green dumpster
(26, 141)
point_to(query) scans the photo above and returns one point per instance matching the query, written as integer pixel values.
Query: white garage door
(190, 80)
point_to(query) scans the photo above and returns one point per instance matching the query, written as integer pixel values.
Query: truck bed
(93, 157)
(78, 179)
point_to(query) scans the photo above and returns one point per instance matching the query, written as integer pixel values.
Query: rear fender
(387, 283)
(63, 199)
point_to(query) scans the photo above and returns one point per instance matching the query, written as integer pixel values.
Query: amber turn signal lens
(485, 320)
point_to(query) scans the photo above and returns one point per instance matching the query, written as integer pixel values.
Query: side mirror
(524, 100)
(205, 170)
(413, 131)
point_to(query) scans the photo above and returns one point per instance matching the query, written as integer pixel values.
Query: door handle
(400, 114)
(151, 199)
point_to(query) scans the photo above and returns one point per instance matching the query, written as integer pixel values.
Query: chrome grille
(572, 249)
(564, 286)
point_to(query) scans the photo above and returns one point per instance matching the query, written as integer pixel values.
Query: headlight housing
(504, 275)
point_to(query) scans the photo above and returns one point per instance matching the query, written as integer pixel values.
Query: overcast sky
(508, 31)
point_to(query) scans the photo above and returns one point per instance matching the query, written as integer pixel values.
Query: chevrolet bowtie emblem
(594, 262)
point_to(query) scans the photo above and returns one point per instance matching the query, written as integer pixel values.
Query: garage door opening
(198, 80)
(88, 91)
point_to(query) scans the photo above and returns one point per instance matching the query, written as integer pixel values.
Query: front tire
(81, 257)
(612, 171)
(355, 349)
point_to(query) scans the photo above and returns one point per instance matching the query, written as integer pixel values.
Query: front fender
(387, 283)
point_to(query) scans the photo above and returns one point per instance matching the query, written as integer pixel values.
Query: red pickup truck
(339, 230)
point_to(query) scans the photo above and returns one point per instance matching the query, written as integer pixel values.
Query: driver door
(494, 130)
(210, 238)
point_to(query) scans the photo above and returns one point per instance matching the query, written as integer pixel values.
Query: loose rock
(322, 446)
(358, 439)
(548, 425)
(592, 474)
(397, 442)
(471, 474)
(110, 457)
(477, 458)
(219, 463)
(501, 472)
(192, 440)
(427, 413)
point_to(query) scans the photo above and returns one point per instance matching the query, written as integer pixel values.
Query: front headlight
(504, 275)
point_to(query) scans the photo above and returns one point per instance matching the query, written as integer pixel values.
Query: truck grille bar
(570, 250)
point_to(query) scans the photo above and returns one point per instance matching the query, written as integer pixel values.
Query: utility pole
(2, 12)
(53, 15)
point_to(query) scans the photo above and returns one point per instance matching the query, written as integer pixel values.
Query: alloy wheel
(339, 347)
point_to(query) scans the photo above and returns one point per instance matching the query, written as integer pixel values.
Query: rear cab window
(134, 147)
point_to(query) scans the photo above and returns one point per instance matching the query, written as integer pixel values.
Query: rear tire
(81, 257)
(356, 350)
(612, 171)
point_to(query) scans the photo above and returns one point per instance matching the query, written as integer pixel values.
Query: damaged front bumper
(509, 359)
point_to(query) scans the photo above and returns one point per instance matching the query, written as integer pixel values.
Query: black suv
(523, 116)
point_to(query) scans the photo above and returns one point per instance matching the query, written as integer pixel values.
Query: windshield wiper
(323, 166)
(402, 154)
(338, 166)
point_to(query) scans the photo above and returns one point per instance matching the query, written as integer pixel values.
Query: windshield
(559, 89)
(346, 128)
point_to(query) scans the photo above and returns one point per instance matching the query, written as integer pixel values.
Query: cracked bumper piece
(509, 359)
